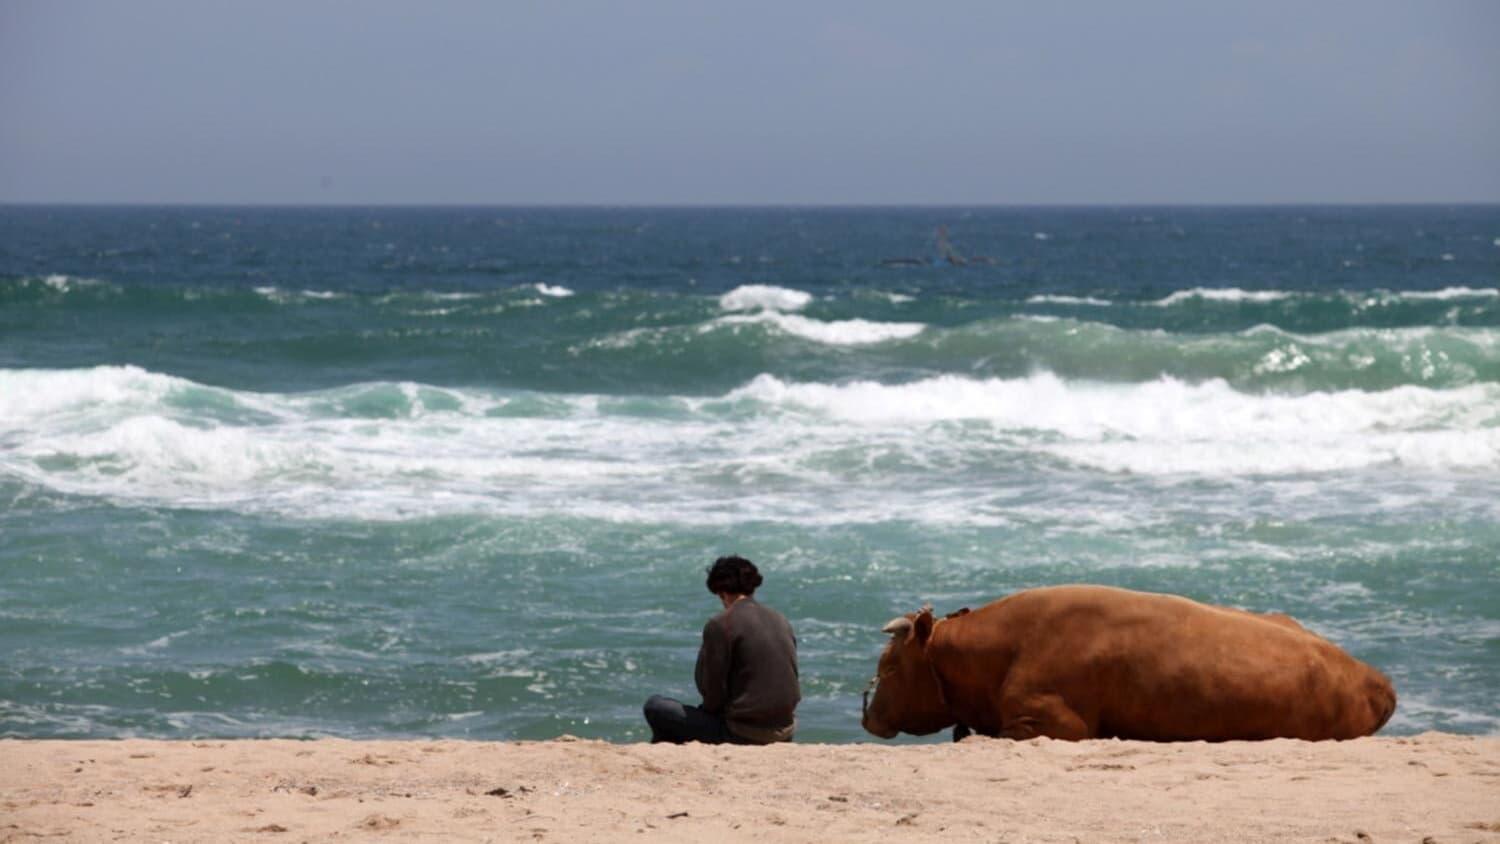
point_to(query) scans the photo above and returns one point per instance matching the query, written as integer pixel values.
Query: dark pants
(675, 722)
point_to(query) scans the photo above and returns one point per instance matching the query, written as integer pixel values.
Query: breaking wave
(771, 448)
(849, 332)
(752, 296)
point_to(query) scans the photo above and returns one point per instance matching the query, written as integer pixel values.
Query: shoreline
(1434, 786)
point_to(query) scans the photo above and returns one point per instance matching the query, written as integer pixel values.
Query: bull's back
(1159, 667)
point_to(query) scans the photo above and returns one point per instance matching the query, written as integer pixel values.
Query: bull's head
(908, 698)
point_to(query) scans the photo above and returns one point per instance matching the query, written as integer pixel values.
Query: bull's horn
(897, 625)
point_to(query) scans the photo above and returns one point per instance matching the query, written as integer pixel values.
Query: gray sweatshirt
(747, 671)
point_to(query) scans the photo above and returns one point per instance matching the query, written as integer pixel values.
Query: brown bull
(1080, 662)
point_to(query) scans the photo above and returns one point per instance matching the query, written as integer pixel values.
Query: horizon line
(6, 203)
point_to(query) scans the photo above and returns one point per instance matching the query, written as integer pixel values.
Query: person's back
(746, 671)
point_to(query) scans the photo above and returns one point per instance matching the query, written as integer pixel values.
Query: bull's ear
(921, 627)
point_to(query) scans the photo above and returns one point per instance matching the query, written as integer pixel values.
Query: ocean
(458, 472)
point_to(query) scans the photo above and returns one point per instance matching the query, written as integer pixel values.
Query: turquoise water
(458, 472)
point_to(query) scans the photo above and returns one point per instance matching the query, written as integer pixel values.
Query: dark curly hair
(734, 574)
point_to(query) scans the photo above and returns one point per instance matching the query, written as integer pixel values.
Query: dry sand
(1434, 787)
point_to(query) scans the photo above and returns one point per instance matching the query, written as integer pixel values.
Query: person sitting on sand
(747, 670)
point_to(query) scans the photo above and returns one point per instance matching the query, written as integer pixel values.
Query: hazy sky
(764, 102)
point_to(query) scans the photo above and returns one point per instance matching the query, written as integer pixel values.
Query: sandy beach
(1433, 787)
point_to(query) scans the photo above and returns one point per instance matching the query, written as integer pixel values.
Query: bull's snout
(875, 728)
(871, 725)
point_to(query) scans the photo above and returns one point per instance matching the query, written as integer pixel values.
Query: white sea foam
(284, 297)
(156, 644)
(849, 332)
(555, 291)
(855, 332)
(509, 657)
(1313, 454)
(76, 719)
(1160, 410)
(1170, 427)
(1223, 294)
(1049, 299)
(28, 394)
(1451, 293)
(1234, 294)
(61, 283)
(1418, 712)
(764, 296)
(802, 453)
(427, 296)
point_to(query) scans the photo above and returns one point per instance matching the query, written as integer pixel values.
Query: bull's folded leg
(1041, 715)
